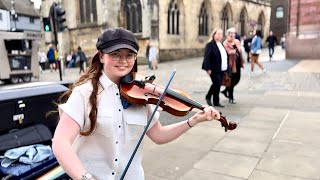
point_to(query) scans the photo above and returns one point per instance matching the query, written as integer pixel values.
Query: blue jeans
(271, 51)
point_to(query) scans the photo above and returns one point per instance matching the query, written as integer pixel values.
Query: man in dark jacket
(272, 41)
(82, 58)
(247, 45)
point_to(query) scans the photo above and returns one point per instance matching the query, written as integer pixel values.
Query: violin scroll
(227, 126)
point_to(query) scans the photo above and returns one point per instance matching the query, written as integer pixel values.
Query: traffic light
(46, 24)
(59, 18)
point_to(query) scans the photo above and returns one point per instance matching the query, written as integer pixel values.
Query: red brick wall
(304, 29)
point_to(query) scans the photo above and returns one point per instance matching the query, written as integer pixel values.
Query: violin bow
(147, 126)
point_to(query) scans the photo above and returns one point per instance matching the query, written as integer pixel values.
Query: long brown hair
(93, 73)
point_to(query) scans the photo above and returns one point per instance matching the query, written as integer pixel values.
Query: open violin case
(26, 127)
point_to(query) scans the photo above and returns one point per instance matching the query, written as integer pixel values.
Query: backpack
(56, 54)
(82, 56)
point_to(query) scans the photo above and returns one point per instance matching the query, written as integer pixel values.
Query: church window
(133, 13)
(261, 22)
(243, 22)
(173, 18)
(203, 21)
(88, 11)
(225, 21)
(279, 12)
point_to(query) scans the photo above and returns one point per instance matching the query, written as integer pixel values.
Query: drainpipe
(289, 17)
(298, 19)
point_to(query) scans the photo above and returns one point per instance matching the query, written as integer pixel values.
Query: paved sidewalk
(278, 131)
(276, 139)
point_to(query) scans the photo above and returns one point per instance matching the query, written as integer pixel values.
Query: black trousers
(235, 78)
(214, 90)
(81, 66)
(43, 66)
(248, 56)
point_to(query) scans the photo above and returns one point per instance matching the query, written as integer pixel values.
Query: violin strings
(185, 99)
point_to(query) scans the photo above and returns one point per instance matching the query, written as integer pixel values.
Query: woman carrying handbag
(233, 48)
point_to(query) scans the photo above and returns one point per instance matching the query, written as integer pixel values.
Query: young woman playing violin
(97, 133)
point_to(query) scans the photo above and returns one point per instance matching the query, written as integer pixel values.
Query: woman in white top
(97, 131)
(153, 56)
(215, 63)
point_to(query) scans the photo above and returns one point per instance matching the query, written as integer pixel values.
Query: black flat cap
(117, 38)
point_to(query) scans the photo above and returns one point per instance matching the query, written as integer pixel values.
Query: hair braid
(92, 73)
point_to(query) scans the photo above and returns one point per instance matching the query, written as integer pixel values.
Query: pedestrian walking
(215, 63)
(247, 45)
(233, 47)
(42, 60)
(272, 41)
(51, 58)
(98, 131)
(283, 41)
(82, 59)
(256, 51)
(153, 56)
(71, 59)
(147, 54)
(237, 36)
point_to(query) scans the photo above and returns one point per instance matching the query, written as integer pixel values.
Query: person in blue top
(256, 51)
(51, 59)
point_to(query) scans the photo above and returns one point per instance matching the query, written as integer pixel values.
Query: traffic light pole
(55, 33)
(56, 45)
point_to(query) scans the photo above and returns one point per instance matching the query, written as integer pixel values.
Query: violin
(139, 89)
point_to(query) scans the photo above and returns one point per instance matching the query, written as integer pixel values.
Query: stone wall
(303, 48)
(177, 46)
(169, 54)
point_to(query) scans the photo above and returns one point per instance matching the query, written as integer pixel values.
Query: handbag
(226, 79)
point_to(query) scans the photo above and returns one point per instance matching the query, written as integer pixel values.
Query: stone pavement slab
(197, 174)
(148, 176)
(262, 175)
(299, 135)
(252, 123)
(169, 161)
(308, 66)
(228, 164)
(242, 146)
(259, 135)
(295, 149)
(285, 147)
(289, 164)
(172, 160)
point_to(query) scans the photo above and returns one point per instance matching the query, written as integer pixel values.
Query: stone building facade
(304, 29)
(178, 28)
(245, 15)
(279, 18)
